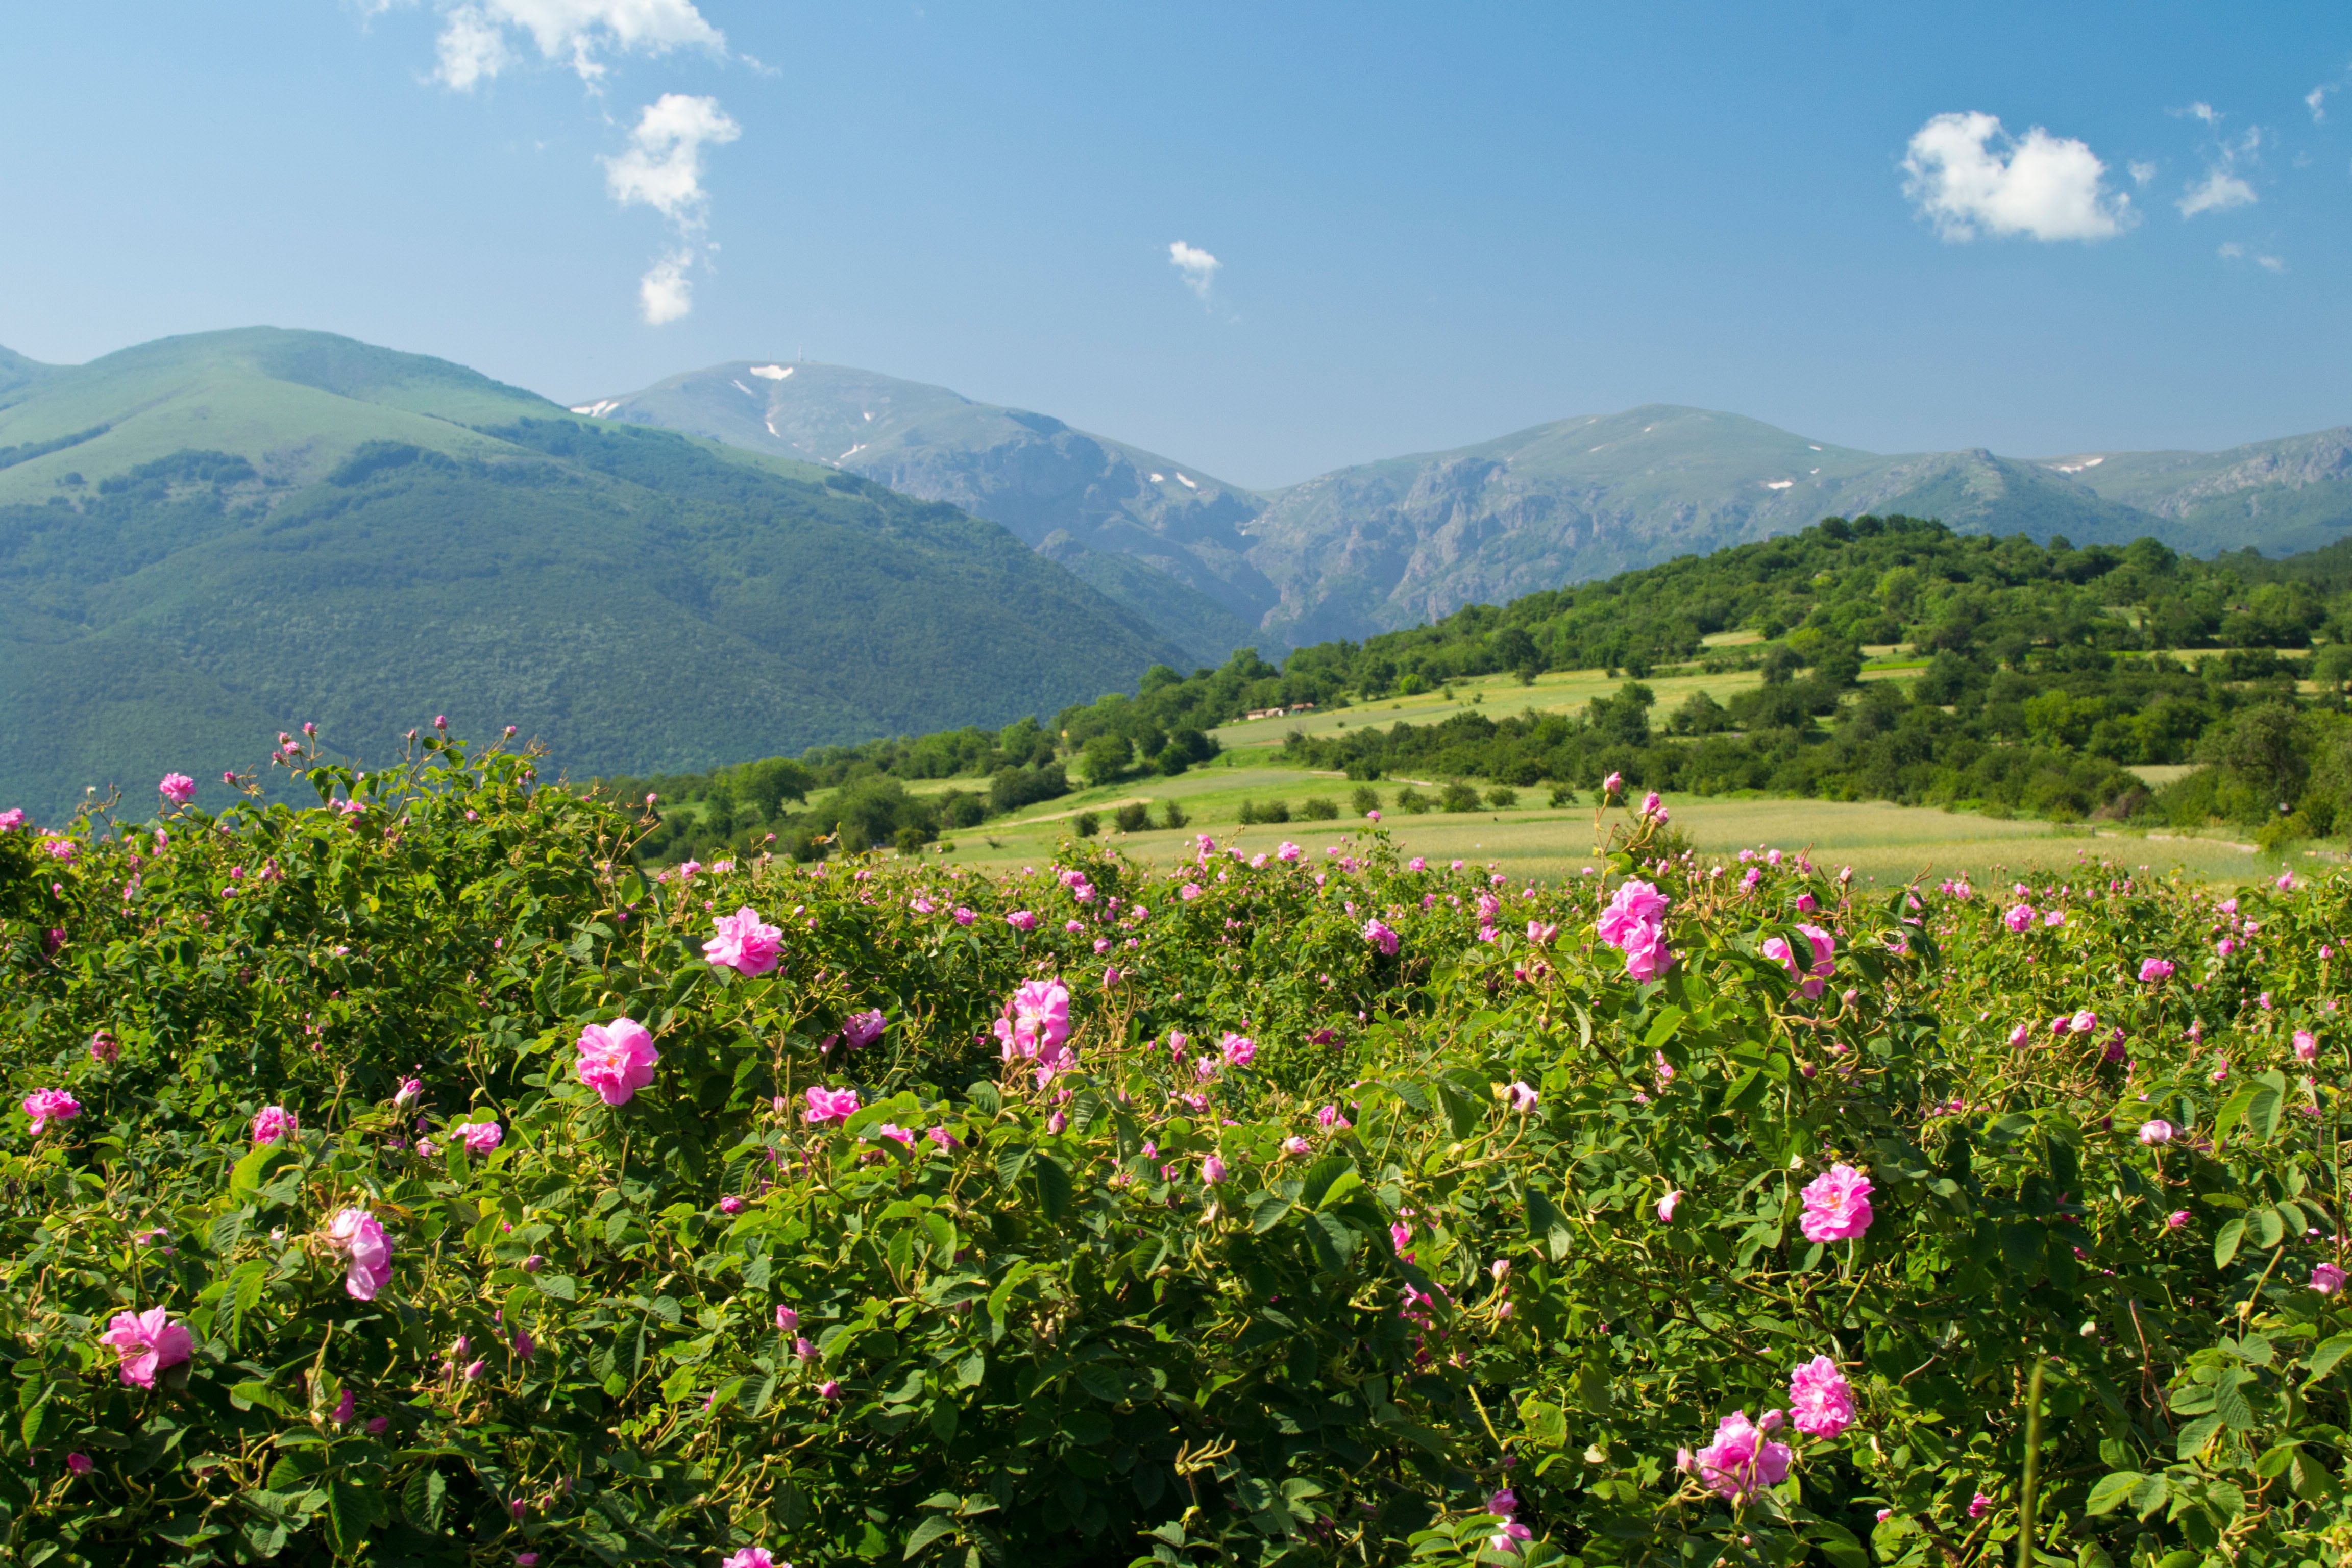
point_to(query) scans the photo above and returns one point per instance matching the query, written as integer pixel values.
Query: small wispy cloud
(478, 37)
(2233, 251)
(2141, 174)
(1198, 267)
(2315, 100)
(2222, 187)
(1969, 178)
(662, 169)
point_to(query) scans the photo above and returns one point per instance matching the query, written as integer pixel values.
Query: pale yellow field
(1880, 841)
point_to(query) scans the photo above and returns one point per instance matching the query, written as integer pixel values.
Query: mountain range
(1394, 544)
(204, 541)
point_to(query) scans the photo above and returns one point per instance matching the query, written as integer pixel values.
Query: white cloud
(665, 294)
(2218, 192)
(2141, 174)
(2203, 111)
(2233, 251)
(2315, 100)
(1198, 267)
(474, 42)
(662, 169)
(2223, 188)
(2041, 186)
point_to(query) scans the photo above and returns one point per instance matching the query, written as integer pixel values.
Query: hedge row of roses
(410, 1180)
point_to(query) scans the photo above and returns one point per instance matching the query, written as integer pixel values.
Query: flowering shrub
(447, 1194)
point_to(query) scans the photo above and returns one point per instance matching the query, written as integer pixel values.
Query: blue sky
(1431, 224)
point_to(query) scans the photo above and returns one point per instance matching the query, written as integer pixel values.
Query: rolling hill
(206, 539)
(1392, 543)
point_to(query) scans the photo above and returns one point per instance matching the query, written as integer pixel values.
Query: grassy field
(1880, 841)
(1502, 695)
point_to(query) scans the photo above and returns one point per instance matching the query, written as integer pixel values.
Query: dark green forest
(630, 597)
(2037, 675)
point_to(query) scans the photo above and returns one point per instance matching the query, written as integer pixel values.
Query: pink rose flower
(149, 1344)
(359, 1238)
(272, 1122)
(787, 1320)
(1033, 1025)
(1523, 1098)
(2307, 1045)
(1380, 937)
(829, 1105)
(48, 1105)
(1666, 1206)
(177, 788)
(1822, 965)
(1743, 1459)
(479, 1137)
(1978, 1506)
(2018, 918)
(2155, 1133)
(745, 943)
(2155, 971)
(1212, 1171)
(2326, 1279)
(616, 1059)
(1837, 1205)
(1819, 1402)
(753, 1557)
(2178, 1219)
(863, 1028)
(103, 1048)
(78, 1463)
(1612, 783)
(1634, 923)
(1237, 1049)
(1022, 920)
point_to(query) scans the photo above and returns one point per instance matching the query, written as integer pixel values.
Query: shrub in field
(407, 1181)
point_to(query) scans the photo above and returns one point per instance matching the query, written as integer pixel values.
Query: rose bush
(446, 1192)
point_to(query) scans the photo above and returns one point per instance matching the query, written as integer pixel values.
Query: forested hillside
(207, 540)
(2004, 676)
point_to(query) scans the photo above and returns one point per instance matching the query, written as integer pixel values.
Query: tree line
(2038, 676)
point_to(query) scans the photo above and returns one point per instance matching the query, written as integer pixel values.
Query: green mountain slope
(1028, 472)
(368, 539)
